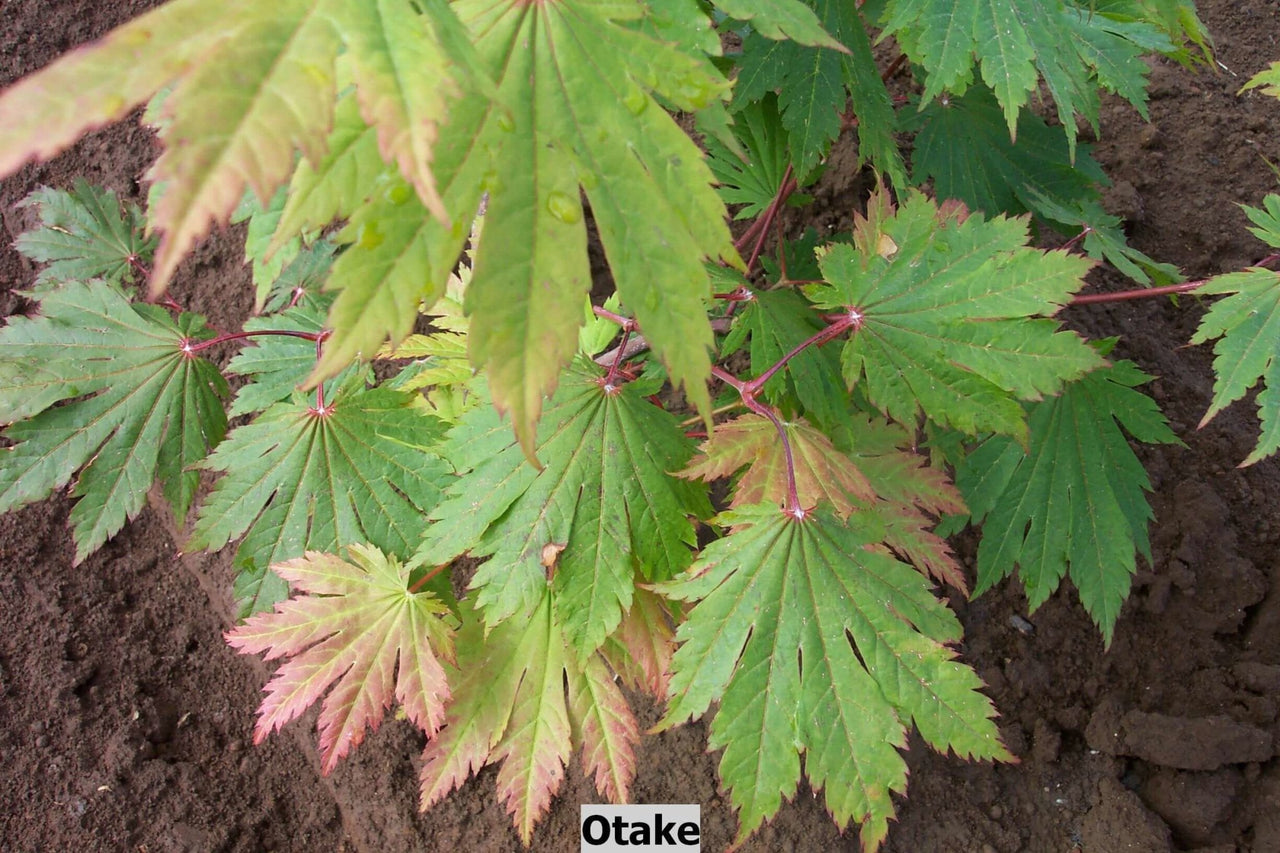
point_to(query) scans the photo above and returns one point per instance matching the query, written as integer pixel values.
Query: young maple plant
(395, 158)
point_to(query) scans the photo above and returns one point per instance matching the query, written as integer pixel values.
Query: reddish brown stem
(320, 409)
(194, 347)
(422, 581)
(771, 212)
(1071, 244)
(844, 322)
(1141, 293)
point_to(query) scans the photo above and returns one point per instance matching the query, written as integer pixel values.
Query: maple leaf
(279, 364)
(776, 322)
(252, 84)
(963, 145)
(753, 175)
(298, 479)
(1247, 327)
(816, 646)
(822, 473)
(1268, 80)
(137, 406)
(910, 496)
(1073, 500)
(583, 115)
(84, 233)
(266, 262)
(814, 83)
(946, 307)
(640, 650)
(358, 626)
(877, 478)
(1016, 42)
(604, 504)
(510, 706)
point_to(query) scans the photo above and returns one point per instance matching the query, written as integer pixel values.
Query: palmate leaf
(252, 84)
(877, 478)
(822, 473)
(1072, 502)
(963, 145)
(84, 233)
(574, 111)
(279, 364)
(814, 83)
(1014, 43)
(946, 306)
(603, 508)
(297, 479)
(355, 625)
(776, 322)
(523, 698)
(1268, 80)
(755, 181)
(815, 646)
(141, 407)
(1246, 326)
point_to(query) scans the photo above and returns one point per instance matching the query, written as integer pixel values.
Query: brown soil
(125, 719)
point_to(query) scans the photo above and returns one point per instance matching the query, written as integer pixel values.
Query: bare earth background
(125, 720)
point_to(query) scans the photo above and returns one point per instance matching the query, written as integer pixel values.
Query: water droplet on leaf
(564, 208)
(369, 237)
(635, 101)
(398, 194)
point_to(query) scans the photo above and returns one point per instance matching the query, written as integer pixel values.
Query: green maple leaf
(280, 364)
(358, 626)
(298, 479)
(252, 84)
(1073, 501)
(1268, 80)
(1014, 43)
(641, 648)
(84, 233)
(1247, 327)
(752, 175)
(815, 646)
(814, 83)
(574, 111)
(137, 406)
(788, 19)
(910, 495)
(777, 321)
(267, 263)
(946, 309)
(523, 698)
(963, 145)
(603, 508)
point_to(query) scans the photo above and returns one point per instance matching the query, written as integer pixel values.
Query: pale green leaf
(779, 19)
(300, 479)
(815, 646)
(603, 508)
(945, 307)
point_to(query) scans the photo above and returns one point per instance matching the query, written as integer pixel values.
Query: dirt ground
(125, 720)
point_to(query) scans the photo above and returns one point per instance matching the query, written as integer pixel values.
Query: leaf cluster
(456, 485)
